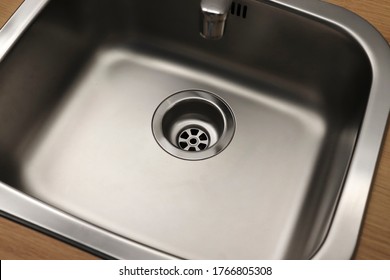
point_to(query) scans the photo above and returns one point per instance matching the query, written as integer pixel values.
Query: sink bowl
(125, 132)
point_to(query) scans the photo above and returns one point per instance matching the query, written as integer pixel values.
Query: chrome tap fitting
(213, 18)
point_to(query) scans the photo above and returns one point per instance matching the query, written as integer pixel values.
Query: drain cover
(193, 140)
(193, 125)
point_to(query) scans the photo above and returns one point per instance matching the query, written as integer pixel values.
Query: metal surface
(193, 139)
(308, 83)
(207, 118)
(213, 15)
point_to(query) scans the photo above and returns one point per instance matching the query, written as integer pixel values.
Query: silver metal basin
(300, 90)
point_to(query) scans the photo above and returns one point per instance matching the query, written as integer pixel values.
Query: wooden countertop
(19, 242)
(7, 8)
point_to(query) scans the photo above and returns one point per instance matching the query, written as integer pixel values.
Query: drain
(193, 140)
(193, 125)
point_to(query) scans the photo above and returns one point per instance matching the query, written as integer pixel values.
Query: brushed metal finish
(307, 82)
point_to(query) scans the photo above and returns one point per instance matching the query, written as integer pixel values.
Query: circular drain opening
(193, 125)
(193, 140)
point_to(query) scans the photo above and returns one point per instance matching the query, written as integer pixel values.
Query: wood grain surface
(7, 8)
(377, 12)
(19, 242)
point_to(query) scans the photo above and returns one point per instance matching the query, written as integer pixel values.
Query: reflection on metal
(308, 85)
(214, 14)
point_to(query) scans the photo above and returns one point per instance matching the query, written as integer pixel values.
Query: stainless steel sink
(125, 132)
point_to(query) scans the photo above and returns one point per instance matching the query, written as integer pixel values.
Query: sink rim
(345, 226)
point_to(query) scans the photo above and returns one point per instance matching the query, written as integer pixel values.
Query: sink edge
(348, 216)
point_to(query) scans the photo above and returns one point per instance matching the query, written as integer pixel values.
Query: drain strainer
(193, 140)
(193, 125)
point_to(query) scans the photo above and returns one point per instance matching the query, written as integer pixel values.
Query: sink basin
(125, 132)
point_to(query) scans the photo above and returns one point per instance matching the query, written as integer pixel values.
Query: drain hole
(183, 145)
(184, 135)
(198, 141)
(244, 12)
(203, 137)
(202, 146)
(193, 124)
